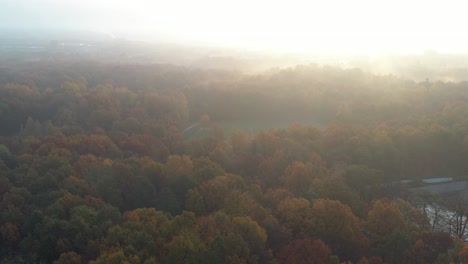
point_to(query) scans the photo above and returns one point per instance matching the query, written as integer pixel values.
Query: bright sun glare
(369, 26)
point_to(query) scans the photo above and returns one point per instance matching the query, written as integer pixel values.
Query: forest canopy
(156, 163)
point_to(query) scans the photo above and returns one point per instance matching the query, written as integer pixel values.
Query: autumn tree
(305, 251)
(298, 176)
(388, 231)
(141, 231)
(336, 224)
(69, 258)
(334, 188)
(296, 214)
(210, 196)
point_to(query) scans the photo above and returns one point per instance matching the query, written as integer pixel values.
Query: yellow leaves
(184, 248)
(241, 235)
(61, 153)
(416, 221)
(299, 176)
(107, 162)
(177, 166)
(295, 213)
(327, 219)
(84, 163)
(131, 216)
(335, 219)
(145, 215)
(208, 228)
(116, 256)
(250, 230)
(384, 218)
(209, 196)
(96, 144)
(69, 201)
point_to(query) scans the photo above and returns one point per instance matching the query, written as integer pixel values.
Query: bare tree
(457, 212)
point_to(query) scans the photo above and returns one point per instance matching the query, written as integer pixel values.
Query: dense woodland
(95, 168)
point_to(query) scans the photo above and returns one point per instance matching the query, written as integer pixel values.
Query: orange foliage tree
(305, 251)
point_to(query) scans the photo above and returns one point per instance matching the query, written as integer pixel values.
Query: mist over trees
(135, 163)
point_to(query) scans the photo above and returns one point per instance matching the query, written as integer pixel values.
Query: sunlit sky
(401, 26)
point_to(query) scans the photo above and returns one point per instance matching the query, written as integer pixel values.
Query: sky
(328, 26)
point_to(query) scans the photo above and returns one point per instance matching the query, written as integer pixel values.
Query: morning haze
(237, 132)
(294, 26)
(249, 35)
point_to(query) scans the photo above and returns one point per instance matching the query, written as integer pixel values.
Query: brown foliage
(305, 251)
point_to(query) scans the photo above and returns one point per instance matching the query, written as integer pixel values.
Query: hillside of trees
(94, 166)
